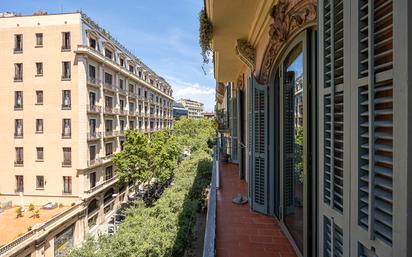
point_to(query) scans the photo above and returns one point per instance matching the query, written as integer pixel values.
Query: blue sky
(162, 33)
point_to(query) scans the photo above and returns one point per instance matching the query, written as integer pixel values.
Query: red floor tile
(240, 231)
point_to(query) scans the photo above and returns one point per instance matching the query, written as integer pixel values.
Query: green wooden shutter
(250, 137)
(260, 145)
(239, 131)
(234, 130)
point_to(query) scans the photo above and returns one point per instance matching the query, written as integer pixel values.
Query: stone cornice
(246, 53)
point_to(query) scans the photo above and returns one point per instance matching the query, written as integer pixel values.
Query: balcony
(122, 112)
(109, 86)
(121, 132)
(101, 185)
(93, 82)
(109, 133)
(109, 110)
(93, 108)
(95, 162)
(18, 135)
(93, 135)
(132, 113)
(121, 90)
(66, 135)
(67, 163)
(18, 163)
(235, 230)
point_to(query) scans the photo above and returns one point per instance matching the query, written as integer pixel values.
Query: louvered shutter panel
(259, 143)
(288, 144)
(239, 130)
(234, 130)
(250, 136)
(334, 134)
(374, 83)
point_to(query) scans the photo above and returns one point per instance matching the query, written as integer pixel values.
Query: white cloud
(193, 91)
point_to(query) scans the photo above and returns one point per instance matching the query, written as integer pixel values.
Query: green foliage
(164, 229)
(194, 134)
(205, 35)
(298, 152)
(31, 207)
(19, 212)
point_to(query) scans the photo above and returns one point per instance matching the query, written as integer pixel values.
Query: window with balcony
(92, 72)
(109, 172)
(131, 108)
(121, 84)
(19, 156)
(67, 184)
(108, 127)
(66, 99)
(18, 72)
(39, 69)
(39, 154)
(18, 128)
(131, 68)
(108, 103)
(92, 43)
(108, 79)
(138, 91)
(121, 103)
(140, 74)
(66, 72)
(18, 43)
(67, 156)
(39, 182)
(66, 41)
(39, 125)
(108, 53)
(92, 153)
(140, 124)
(122, 125)
(19, 184)
(109, 148)
(140, 108)
(92, 100)
(131, 88)
(92, 125)
(92, 180)
(131, 124)
(18, 100)
(39, 97)
(66, 128)
(145, 94)
(122, 62)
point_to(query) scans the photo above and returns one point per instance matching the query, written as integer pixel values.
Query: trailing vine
(205, 35)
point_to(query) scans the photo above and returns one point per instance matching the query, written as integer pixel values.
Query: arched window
(108, 195)
(93, 205)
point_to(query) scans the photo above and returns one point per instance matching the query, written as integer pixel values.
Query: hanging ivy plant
(205, 35)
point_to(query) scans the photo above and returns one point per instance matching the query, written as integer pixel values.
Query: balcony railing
(93, 81)
(93, 135)
(109, 110)
(19, 163)
(67, 163)
(18, 135)
(101, 185)
(132, 113)
(109, 133)
(66, 134)
(94, 162)
(94, 108)
(109, 85)
(121, 90)
(122, 111)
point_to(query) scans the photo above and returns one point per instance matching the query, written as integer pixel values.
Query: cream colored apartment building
(69, 91)
(195, 109)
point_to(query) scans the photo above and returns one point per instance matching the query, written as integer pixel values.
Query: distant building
(194, 108)
(209, 114)
(179, 110)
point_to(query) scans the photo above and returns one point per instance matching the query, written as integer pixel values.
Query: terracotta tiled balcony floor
(240, 231)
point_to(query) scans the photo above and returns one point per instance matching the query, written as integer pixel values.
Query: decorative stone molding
(289, 17)
(246, 53)
(240, 82)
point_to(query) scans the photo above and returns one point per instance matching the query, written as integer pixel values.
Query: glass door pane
(293, 174)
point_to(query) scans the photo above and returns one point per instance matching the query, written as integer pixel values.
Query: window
(121, 62)
(121, 84)
(131, 125)
(66, 72)
(109, 172)
(92, 179)
(131, 108)
(67, 156)
(108, 125)
(92, 125)
(108, 78)
(19, 183)
(121, 145)
(18, 71)
(66, 128)
(109, 149)
(121, 104)
(18, 43)
(121, 125)
(18, 128)
(67, 184)
(39, 39)
(92, 43)
(131, 68)
(39, 97)
(66, 99)
(18, 100)
(39, 125)
(138, 91)
(92, 153)
(92, 72)
(131, 88)
(39, 182)
(39, 154)
(66, 41)
(108, 53)
(19, 156)
(39, 69)
(92, 100)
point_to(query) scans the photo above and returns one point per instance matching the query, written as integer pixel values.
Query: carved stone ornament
(246, 53)
(289, 17)
(240, 83)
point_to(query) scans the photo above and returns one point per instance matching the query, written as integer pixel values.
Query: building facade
(179, 111)
(321, 123)
(69, 92)
(195, 109)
